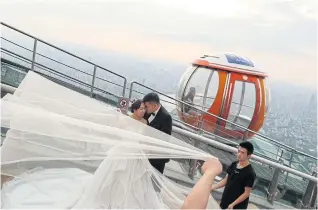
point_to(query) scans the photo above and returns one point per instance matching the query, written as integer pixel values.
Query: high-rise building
(312, 105)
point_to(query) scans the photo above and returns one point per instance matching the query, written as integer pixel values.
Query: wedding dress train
(116, 184)
(68, 151)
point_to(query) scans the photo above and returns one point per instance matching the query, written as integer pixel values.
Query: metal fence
(94, 77)
(296, 189)
(289, 155)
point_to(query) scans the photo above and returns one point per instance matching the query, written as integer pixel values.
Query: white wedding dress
(68, 151)
(117, 184)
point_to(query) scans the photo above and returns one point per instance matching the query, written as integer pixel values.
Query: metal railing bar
(17, 57)
(234, 150)
(59, 74)
(54, 78)
(75, 81)
(160, 99)
(10, 62)
(96, 77)
(284, 158)
(15, 54)
(44, 67)
(196, 129)
(69, 79)
(199, 96)
(211, 135)
(214, 135)
(16, 44)
(64, 64)
(242, 127)
(207, 121)
(105, 80)
(72, 79)
(205, 133)
(51, 45)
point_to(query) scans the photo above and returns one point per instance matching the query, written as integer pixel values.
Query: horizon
(140, 59)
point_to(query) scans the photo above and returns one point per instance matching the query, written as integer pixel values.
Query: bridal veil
(52, 127)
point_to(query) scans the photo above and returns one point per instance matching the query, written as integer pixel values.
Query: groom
(158, 118)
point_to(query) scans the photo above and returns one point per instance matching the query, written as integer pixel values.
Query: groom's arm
(167, 125)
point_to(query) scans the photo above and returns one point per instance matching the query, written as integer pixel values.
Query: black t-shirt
(237, 180)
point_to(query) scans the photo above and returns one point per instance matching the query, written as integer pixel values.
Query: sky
(280, 36)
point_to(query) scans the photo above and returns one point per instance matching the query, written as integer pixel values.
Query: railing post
(278, 150)
(34, 53)
(193, 163)
(313, 203)
(272, 190)
(93, 81)
(291, 158)
(131, 89)
(124, 88)
(308, 197)
(290, 163)
(245, 135)
(200, 124)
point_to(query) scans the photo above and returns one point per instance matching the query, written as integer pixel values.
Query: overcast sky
(280, 36)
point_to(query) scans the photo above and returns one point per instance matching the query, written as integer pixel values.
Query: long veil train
(66, 150)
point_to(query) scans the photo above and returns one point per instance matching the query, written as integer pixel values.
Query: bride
(138, 111)
(65, 150)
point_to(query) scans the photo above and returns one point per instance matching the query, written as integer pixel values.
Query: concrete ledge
(6, 89)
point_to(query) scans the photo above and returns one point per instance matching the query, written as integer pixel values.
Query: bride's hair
(135, 105)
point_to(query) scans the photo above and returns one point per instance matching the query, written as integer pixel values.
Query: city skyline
(279, 36)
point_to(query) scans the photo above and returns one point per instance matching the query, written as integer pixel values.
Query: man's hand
(212, 166)
(213, 188)
(230, 207)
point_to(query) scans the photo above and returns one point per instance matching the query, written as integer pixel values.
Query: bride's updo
(135, 105)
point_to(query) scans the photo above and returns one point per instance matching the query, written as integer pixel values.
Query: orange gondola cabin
(226, 93)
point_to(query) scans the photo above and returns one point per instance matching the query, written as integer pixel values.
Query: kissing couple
(150, 111)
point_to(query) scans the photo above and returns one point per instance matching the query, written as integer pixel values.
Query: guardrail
(54, 72)
(289, 158)
(219, 118)
(195, 129)
(34, 54)
(309, 187)
(234, 150)
(278, 178)
(272, 190)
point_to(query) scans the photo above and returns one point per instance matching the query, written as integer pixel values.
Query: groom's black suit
(161, 122)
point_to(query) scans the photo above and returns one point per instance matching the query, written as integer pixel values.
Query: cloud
(279, 35)
(206, 8)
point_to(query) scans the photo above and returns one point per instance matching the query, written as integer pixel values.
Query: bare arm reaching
(199, 196)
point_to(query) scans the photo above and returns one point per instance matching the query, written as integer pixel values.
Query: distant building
(312, 104)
